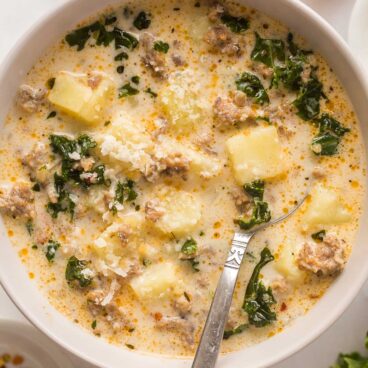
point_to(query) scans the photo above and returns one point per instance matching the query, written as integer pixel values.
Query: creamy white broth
(131, 317)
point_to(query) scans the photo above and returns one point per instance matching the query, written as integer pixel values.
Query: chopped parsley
(51, 248)
(161, 46)
(50, 83)
(51, 115)
(36, 187)
(252, 87)
(120, 69)
(235, 24)
(151, 93)
(124, 192)
(319, 236)
(261, 212)
(190, 247)
(127, 90)
(135, 79)
(121, 56)
(77, 272)
(142, 21)
(258, 299)
(29, 227)
(94, 324)
(235, 331)
(124, 39)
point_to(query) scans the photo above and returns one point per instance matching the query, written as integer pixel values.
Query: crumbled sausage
(221, 40)
(161, 126)
(183, 304)
(178, 324)
(153, 59)
(324, 258)
(239, 98)
(18, 200)
(94, 80)
(35, 157)
(227, 114)
(279, 287)
(153, 211)
(178, 59)
(30, 98)
(123, 233)
(242, 200)
(215, 12)
(318, 172)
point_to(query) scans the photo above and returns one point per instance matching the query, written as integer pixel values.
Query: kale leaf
(127, 90)
(267, 51)
(289, 75)
(328, 139)
(80, 36)
(189, 248)
(308, 100)
(352, 360)
(252, 87)
(124, 192)
(51, 248)
(236, 24)
(235, 331)
(258, 299)
(30, 227)
(142, 21)
(161, 46)
(319, 236)
(124, 39)
(189, 252)
(77, 271)
(261, 212)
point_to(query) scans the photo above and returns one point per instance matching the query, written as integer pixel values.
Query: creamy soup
(145, 137)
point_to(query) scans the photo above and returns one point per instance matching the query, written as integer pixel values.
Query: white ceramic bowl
(38, 351)
(24, 293)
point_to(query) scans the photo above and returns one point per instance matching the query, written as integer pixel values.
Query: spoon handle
(212, 335)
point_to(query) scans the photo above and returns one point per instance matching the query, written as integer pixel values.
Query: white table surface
(348, 332)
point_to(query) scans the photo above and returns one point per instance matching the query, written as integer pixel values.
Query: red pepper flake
(283, 307)
(158, 316)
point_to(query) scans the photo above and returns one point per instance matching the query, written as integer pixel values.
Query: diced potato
(256, 154)
(182, 102)
(286, 265)
(128, 144)
(325, 207)
(157, 281)
(109, 245)
(182, 212)
(72, 94)
(202, 164)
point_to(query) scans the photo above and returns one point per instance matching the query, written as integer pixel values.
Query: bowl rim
(295, 345)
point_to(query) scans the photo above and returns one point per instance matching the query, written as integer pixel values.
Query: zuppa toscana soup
(145, 137)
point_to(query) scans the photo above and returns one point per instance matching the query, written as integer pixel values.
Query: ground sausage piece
(227, 114)
(242, 200)
(221, 40)
(153, 211)
(153, 59)
(18, 201)
(178, 324)
(215, 12)
(324, 258)
(183, 305)
(29, 98)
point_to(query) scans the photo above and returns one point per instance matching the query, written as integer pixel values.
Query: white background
(348, 332)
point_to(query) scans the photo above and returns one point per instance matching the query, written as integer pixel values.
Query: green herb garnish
(51, 248)
(161, 46)
(235, 331)
(261, 212)
(259, 299)
(151, 93)
(127, 90)
(124, 192)
(190, 247)
(121, 56)
(135, 79)
(51, 115)
(319, 236)
(308, 100)
(142, 21)
(252, 87)
(50, 83)
(77, 271)
(94, 324)
(236, 24)
(30, 227)
(268, 51)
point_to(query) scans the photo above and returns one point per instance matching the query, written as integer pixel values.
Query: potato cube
(286, 265)
(182, 212)
(182, 102)
(157, 281)
(73, 95)
(325, 207)
(256, 154)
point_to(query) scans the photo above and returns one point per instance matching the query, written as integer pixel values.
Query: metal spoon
(212, 335)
